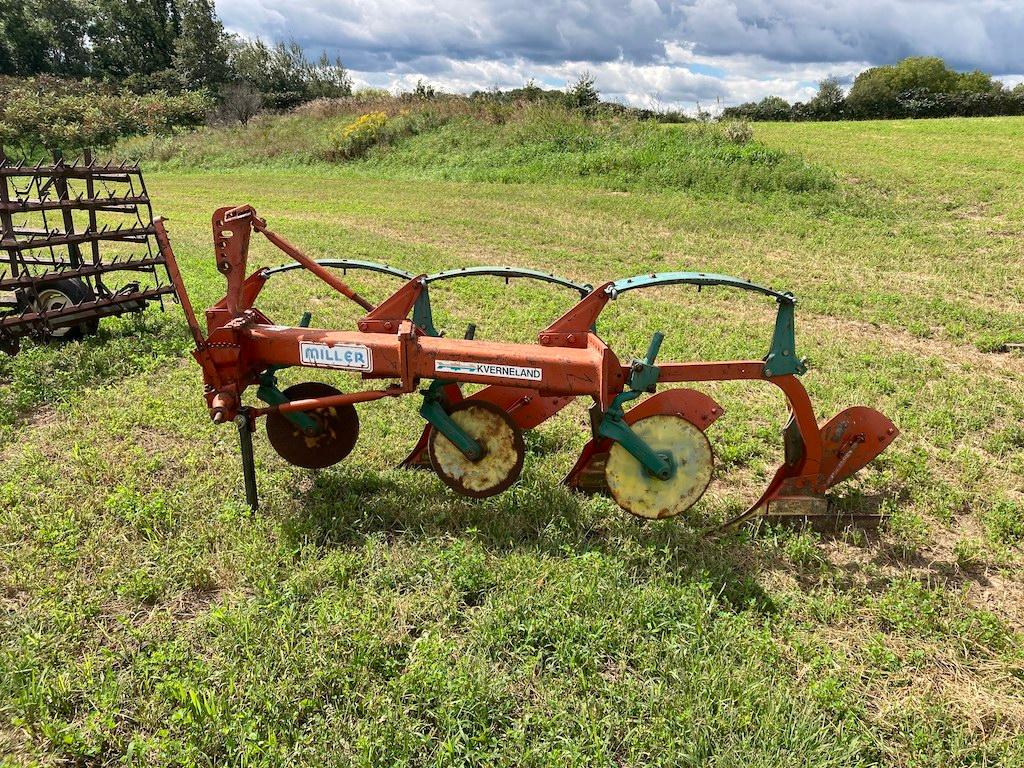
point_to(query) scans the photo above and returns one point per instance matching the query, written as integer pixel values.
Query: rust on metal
(59, 276)
(337, 429)
(655, 457)
(503, 451)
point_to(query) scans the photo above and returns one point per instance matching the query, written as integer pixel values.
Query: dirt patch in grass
(898, 339)
(871, 567)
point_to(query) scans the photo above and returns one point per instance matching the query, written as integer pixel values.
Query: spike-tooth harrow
(654, 458)
(76, 245)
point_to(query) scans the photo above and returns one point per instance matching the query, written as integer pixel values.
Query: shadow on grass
(44, 373)
(346, 505)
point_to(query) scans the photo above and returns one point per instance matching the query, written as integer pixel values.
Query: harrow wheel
(502, 443)
(335, 439)
(62, 294)
(640, 493)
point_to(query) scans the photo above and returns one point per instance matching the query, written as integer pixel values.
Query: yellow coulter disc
(501, 441)
(643, 495)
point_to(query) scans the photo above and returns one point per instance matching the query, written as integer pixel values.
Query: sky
(666, 54)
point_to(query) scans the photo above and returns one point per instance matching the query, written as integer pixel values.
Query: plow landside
(654, 457)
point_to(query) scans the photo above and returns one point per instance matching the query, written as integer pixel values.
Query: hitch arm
(247, 212)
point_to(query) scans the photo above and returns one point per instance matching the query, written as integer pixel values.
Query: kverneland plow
(654, 458)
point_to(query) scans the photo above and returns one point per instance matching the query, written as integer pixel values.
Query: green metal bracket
(432, 409)
(643, 378)
(271, 394)
(781, 359)
(422, 316)
(614, 427)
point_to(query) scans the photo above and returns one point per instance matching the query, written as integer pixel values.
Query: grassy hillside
(365, 616)
(524, 144)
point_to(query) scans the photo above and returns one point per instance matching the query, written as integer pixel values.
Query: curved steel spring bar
(386, 269)
(781, 359)
(344, 264)
(508, 273)
(423, 315)
(700, 279)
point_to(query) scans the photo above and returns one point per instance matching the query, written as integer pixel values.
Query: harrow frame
(396, 340)
(45, 251)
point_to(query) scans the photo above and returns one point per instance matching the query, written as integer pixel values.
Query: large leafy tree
(201, 49)
(148, 45)
(876, 92)
(827, 103)
(133, 37)
(284, 75)
(44, 37)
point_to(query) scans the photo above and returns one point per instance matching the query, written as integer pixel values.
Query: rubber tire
(75, 291)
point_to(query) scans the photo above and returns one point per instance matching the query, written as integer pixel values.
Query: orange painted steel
(531, 382)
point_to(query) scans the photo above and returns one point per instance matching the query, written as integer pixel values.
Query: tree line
(145, 46)
(916, 87)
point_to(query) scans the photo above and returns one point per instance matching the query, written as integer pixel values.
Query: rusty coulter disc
(335, 439)
(640, 493)
(501, 441)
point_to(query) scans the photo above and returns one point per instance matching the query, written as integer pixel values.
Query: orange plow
(653, 458)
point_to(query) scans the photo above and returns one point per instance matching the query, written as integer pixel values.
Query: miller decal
(351, 357)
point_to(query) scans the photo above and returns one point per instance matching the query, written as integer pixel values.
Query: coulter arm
(653, 458)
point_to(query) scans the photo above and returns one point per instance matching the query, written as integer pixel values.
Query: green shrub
(916, 87)
(33, 118)
(376, 129)
(497, 140)
(739, 132)
(548, 142)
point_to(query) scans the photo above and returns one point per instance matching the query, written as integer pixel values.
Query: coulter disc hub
(334, 439)
(503, 451)
(688, 451)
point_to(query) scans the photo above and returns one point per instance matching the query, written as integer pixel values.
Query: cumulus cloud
(651, 52)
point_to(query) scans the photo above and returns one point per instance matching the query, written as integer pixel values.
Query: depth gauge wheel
(640, 493)
(502, 443)
(336, 435)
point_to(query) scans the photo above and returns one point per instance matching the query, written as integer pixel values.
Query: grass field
(365, 616)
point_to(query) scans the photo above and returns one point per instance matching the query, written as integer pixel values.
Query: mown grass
(365, 616)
